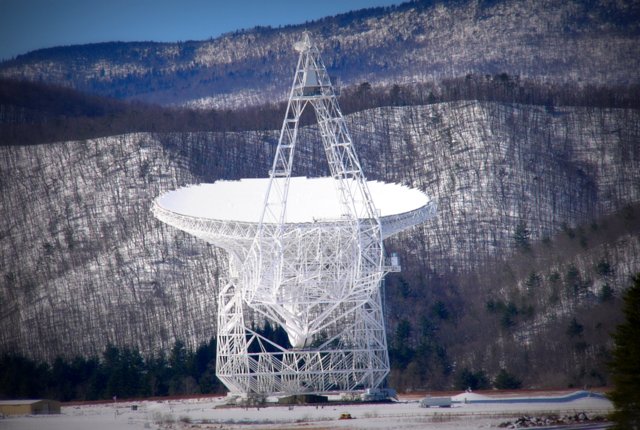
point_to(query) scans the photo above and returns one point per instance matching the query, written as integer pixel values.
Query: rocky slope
(590, 42)
(85, 264)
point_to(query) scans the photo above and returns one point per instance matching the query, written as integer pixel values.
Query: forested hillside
(581, 42)
(85, 263)
(520, 118)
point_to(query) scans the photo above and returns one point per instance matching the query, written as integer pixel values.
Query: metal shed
(29, 407)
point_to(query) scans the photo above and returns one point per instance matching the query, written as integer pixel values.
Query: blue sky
(26, 25)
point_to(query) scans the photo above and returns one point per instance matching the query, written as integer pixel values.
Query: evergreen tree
(90, 377)
(64, 378)
(401, 353)
(506, 381)
(205, 367)
(158, 375)
(125, 372)
(468, 379)
(522, 236)
(179, 363)
(625, 366)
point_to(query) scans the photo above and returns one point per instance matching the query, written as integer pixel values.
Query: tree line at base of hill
(119, 372)
(124, 373)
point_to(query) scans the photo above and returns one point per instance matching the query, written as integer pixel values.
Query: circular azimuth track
(309, 260)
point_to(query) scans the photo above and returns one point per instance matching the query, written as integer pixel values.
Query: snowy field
(205, 413)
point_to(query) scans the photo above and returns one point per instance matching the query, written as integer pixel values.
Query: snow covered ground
(203, 414)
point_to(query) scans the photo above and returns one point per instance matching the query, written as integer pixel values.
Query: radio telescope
(305, 254)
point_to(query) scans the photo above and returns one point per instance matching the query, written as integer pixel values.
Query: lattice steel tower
(317, 275)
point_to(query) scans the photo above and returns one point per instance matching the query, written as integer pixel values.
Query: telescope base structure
(355, 360)
(304, 254)
(313, 284)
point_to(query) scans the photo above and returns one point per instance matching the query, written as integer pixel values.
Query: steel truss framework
(319, 281)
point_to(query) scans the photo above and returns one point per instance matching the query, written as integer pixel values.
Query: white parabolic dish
(310, 200)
